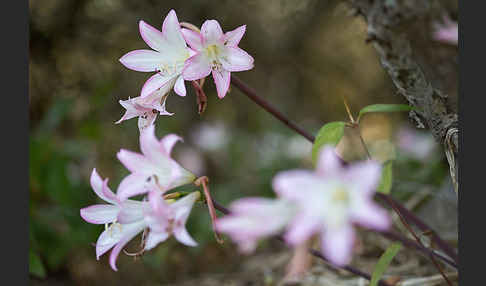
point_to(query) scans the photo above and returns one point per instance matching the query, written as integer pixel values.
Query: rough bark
(395, 28)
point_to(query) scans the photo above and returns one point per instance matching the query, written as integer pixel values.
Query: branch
(387, 22)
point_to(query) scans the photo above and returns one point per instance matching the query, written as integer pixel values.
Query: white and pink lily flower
(330, 200)
(155, 163)
(216, 53)
(146, 108)
(162, 219)
(254, 218)
(116, 210)
(167, 57)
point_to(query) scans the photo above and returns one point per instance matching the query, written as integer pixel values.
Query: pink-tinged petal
(143, 60)
(196, 67)
(168, 142)
(295, 185)
(211, 32)
(251, 205)
(134, 162)
(155, 238)
(366, 213)
(192, 38)
(100, 214)
(132, 185)
(182, 207)
(151, 147)
(132, 109)
(179, 86)
(301, 229)
(109, 196)
(131, 211)
(222, 81)
(97, 186)
(153, 37)
(232, 38)
(328, 163)
(181, 234)
(337, 244)
(129, 231)
(159, 207)
(172, 30)
(237, 60)
(366, 176)
(108, 238)
(155, 82)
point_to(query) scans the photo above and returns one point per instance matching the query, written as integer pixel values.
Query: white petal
(132, 185)
(337, 244)
(131, 211)
(211, 32)
(179, 86)
(172, 31)
(100, 214)
(143, 60)
(128, 232)
(97, 186)
(328, 163)
(232, 38)
(235, 59)
(192, 38)
(296, 185)
(184, 237)
(153, 37)
(196, 67)
(222, 81)
(155, 238)
(155, 82)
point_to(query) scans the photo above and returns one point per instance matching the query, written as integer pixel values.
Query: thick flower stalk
(216, 53)
(166, 59)
(153, 166)
(327, 202)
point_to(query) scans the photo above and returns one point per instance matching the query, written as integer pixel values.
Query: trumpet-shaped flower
(146, 108)
(162, 220)
(254, 218)
(153, 166)
(216, 53)
(330, 200)
(167, 57)
(116, 210)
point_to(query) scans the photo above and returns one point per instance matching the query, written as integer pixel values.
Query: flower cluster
(325, 202)
(153, 172)
(172, 62)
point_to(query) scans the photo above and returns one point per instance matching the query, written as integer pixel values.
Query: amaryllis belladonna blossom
(166, 59)
(153, 166)
(330, 200)
(146, 108)
(447, 32)
(216, 53)
(327, 201)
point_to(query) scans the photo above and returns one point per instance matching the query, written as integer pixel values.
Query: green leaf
(35, 265)
(386, 178)
(384, 108)
(329, 134)
(384, 262)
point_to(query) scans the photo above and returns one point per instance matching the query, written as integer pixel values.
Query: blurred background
(308, 55)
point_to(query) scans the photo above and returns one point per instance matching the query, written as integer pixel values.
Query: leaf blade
(384, 108)
(329, 134)
(384, 262)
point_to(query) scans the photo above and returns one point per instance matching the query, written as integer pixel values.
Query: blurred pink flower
(146, 108)
(254, 218)
(153, 166)
(217, 53)
(415, 144)
(447, 32)
(330, 200)
(166, 59)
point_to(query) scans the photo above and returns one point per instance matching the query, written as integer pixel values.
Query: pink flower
(116, 211)
(330, 200)
(153, 166)
(254, 218)
(447, 32)
(166, 59)
(162, 219)
(146, 108)
(217, 53)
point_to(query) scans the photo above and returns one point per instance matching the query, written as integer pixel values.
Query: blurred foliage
(308, 55)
